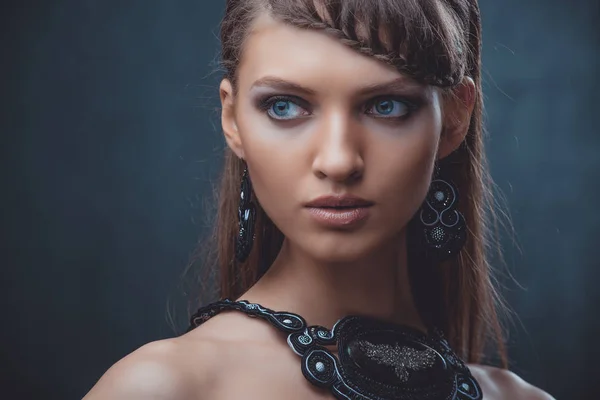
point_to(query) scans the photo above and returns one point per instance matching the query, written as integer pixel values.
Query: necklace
(376, 360)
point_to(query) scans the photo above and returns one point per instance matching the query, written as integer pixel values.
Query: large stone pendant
(376, 361)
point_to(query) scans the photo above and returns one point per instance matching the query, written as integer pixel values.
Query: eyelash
(412, 105)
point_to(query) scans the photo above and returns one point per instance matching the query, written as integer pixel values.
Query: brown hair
(437, 42)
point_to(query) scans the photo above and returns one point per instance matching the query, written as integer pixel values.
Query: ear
(458, 108)
(228, 121)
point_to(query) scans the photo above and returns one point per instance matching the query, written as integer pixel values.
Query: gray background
(110, 139)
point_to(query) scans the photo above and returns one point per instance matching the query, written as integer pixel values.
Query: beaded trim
(376, 360)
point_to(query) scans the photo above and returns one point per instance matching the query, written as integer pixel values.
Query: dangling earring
(443, 225)
(246, 217)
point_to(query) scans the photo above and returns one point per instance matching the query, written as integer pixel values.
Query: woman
(355, 128)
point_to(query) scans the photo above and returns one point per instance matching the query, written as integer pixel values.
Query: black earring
(443, 225)
(246, 217)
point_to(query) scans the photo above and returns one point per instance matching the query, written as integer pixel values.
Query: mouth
(339, 202)
(340, 216)
(340, 207)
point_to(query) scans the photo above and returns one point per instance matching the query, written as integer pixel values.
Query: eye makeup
(265, 104)
(301, 108)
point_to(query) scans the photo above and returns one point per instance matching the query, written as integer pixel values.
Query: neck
(323, 292)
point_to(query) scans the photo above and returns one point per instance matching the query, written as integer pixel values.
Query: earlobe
(228, 120)
(457, 117)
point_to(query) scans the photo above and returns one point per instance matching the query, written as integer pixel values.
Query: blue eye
(390, 108)
(283, 109)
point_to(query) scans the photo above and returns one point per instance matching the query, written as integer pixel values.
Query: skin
(338, 141)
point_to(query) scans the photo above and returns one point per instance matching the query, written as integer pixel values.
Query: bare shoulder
(497, 383)
(171, 369)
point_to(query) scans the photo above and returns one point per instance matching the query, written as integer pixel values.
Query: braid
(354, 44)
(308, 18)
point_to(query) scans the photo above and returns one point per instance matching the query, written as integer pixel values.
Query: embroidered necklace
(376, 360)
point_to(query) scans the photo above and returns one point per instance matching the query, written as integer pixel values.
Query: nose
(339, 147)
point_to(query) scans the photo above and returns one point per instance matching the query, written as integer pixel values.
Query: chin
(342, 247)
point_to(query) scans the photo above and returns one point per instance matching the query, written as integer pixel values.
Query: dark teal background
(110, 138)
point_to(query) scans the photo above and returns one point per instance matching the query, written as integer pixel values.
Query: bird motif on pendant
(402, 358)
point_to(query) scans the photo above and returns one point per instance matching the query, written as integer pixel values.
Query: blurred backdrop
(111, 138)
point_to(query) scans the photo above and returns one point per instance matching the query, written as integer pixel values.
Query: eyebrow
(281, 84)
(397, 84)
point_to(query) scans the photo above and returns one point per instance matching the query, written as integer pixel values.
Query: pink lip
(339, 217)
(344, 200)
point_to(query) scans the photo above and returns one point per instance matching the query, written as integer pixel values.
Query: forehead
(310, 56)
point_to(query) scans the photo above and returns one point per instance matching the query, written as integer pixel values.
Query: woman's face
(312, 118)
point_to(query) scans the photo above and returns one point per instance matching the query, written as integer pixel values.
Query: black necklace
(376, 360)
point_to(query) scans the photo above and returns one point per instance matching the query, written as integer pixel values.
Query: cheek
(274, 177)
(405, 189)
(272, 180)
(402, 172)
